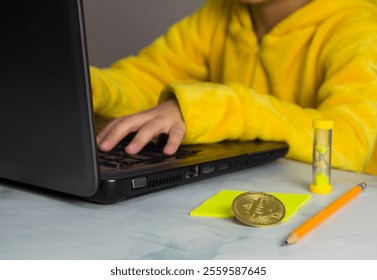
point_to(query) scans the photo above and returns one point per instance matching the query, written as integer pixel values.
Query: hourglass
(321, 163)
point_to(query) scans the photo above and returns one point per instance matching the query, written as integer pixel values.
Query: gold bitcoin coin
(258, 209)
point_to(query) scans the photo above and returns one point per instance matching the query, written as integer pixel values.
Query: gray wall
(117, 28)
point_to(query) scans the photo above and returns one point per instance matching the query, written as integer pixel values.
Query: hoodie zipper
(256, 60)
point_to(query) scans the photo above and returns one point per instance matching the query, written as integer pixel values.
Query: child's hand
(165, 118)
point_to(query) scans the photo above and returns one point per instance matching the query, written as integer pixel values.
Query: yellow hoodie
(319, 62)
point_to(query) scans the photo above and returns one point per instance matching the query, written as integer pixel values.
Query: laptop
(47, 125)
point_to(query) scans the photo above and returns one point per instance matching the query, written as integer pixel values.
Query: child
(250, 69)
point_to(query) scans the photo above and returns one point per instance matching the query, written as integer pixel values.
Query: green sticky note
(220, 205)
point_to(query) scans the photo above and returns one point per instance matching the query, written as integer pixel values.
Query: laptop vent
(165, 182)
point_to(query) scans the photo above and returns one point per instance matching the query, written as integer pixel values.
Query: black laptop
(47, 127)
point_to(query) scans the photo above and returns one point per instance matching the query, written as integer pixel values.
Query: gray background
(117, 28)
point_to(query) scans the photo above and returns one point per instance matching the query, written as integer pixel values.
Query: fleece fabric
(319, 62)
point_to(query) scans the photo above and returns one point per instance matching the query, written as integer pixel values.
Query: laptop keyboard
(151, 153)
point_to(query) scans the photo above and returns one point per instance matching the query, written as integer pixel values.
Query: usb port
(207, 169)
(224, 166)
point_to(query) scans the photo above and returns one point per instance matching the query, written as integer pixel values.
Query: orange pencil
(324, 214)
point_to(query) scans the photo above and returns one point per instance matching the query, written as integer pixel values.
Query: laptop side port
(224, 166)
(207, 168)
(192, 172)
(139, 183)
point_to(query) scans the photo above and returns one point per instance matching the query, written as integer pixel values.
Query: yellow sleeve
(347, 75)
(214, 112)
(134, 83)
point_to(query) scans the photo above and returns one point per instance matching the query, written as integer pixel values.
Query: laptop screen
(45, 106)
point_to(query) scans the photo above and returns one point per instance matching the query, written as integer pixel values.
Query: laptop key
(129, 161)
(185, 153)
(114, 164)
(110, 157)
(157, 155)
(143, 158)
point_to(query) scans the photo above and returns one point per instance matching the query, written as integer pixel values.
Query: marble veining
(40, 225)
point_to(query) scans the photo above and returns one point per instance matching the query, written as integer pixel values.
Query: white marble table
(38, 225)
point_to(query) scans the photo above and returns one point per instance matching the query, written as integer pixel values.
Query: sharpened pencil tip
(285, 243)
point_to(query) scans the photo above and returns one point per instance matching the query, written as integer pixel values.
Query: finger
(144, 135)
(115, 133)
(120, 128)
(102, 134)
(176, 135)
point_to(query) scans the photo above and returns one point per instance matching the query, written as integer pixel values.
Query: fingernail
(169, 150)
(104, 144)
(131, 148)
